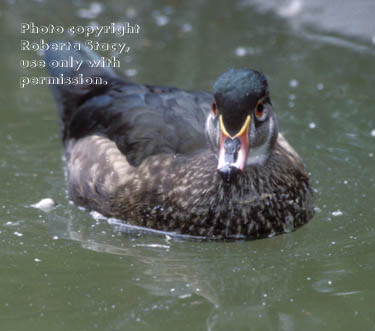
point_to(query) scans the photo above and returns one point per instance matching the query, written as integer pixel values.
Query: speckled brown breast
(184, 194)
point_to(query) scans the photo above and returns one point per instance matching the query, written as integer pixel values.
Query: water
(69, 270)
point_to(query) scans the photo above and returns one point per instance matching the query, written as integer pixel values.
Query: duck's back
(142, 120)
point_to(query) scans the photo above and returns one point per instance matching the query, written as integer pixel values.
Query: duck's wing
(142, 120)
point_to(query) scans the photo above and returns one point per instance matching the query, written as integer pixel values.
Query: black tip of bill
(228, 173)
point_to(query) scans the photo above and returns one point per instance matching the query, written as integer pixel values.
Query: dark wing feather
(142, 120)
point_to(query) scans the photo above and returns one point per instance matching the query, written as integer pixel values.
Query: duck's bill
(233, 151)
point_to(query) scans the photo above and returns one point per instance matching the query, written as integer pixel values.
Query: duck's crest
(236, 84)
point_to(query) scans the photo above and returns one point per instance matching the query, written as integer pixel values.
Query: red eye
(214, 108)
(259, 109)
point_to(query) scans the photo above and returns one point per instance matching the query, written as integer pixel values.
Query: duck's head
(242, 128)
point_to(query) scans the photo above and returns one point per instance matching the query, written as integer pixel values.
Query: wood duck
(194, 163)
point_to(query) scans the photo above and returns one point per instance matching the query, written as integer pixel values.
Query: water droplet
(187, 27)
(293, 83)
(161, 20)
(320, 86)
(240, 51)
(338, 212)
(317, 209)
(131, 72)
(184, 296)
(45, 205)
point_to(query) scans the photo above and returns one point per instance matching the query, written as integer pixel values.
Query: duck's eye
(214, 108)
(259, 109)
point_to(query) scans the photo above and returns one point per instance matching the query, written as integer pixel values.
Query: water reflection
(276, 282)
(240, 280)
